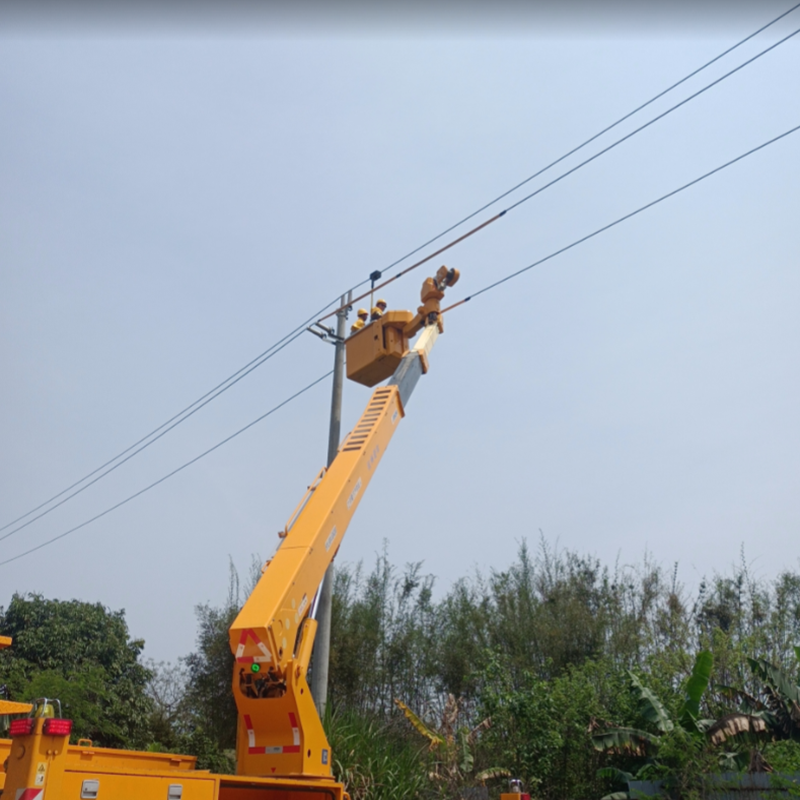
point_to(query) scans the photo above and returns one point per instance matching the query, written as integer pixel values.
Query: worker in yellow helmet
(378, 310)
(362, 315)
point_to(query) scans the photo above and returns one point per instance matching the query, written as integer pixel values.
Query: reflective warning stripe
(251, 734)
(29, 794)
(264, 658)
(274, 750)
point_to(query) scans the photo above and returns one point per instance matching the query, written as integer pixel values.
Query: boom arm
(280, 732)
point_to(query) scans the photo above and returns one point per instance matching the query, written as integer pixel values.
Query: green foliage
(784, 756)
(209, 698)
(383, 642)
(376, 758)
(588, 675)
(524, 734)
(202, 716)
(82, 654)
(541, 728)
(209, 755)
(781, 696)
(771, 714)
(678, 749)
(167, 691)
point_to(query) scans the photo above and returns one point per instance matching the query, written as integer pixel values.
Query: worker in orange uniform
(362, 315)
(377, 310)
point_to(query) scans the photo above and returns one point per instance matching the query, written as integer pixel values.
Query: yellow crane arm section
(280, 733)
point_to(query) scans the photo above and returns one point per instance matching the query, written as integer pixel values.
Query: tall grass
(376, 759)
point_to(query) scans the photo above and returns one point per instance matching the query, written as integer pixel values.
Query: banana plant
(773, 714)
(642, 745)
(453, 745)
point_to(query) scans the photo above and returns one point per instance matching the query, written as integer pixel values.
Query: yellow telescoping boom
(282, 752)
(280, 732)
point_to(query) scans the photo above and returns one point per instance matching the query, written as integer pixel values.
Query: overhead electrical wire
(176, 420)
(169, 474)
(654, 119)
(222, 387)
(619, 220)
(582, 145)
(485, 289)
(574, 169)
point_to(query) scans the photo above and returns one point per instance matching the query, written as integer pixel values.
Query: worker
(378, 309)
(362, 315)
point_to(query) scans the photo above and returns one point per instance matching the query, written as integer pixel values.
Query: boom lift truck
(282, 752)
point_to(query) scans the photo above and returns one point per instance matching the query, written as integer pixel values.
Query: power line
(579, 166)
(621, 219)
(654, 119)
(167, 426)
(583, 144)
(485, 289)
(414, 266)
(168, 475)
(222, 387)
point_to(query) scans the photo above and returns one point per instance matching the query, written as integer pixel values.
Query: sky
(180, 193)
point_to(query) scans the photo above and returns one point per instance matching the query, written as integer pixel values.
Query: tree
(82, 654)
(207, 717)
(209, 697)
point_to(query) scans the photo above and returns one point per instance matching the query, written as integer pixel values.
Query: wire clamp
(325, 333)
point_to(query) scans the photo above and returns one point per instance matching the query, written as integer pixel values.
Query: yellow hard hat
(362, 312)
(381, 303)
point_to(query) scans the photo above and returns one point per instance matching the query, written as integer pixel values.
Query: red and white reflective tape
(295, 745)
(264, 658)
(29, 794)
(251, 734)
(274, 750)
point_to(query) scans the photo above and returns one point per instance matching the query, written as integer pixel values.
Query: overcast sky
(176, 196)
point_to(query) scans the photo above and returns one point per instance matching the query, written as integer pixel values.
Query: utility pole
(322, 643)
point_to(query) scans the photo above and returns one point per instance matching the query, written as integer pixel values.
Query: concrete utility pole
(322, 643)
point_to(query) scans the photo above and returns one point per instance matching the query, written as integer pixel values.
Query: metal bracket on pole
(325, 333)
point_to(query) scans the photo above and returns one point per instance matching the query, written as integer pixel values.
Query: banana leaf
(630, 741)
(704, 724)
(492, 772)
(748, 703)
(695, 687)
(777, 678)
(650, 707)
(734, 762)
(614, 774)
(434, 738)
(467, 761)
(742, 727)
